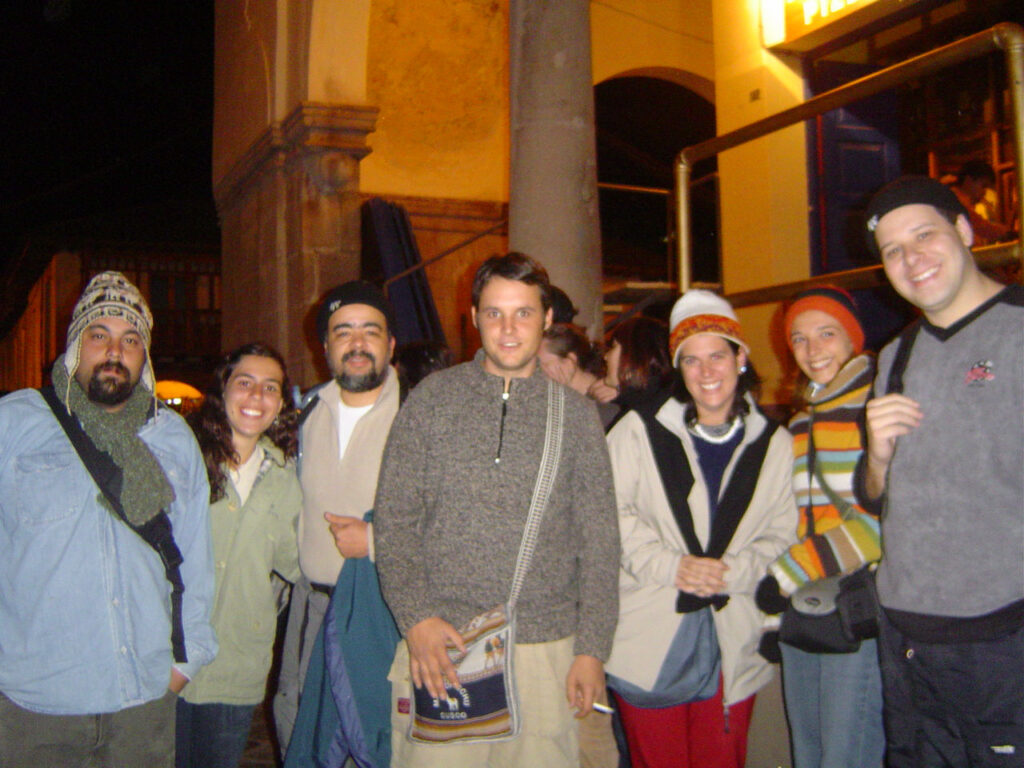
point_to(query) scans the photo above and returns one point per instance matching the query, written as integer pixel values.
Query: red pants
(697, 735)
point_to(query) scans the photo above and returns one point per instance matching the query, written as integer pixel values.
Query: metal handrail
(446, 252)
(987, 256)
(1005, 36)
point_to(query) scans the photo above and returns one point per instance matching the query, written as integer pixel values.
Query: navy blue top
(713, 459)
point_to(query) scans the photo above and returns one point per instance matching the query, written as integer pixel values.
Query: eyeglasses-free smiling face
(358, 347)
(511, 320)
(253, 395)
(928, 260)
(711, 371)
(821, 346)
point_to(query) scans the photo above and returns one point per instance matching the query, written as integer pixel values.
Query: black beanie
(353, 292)
(909, 190)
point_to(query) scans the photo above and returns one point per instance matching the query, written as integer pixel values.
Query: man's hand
(584, 683)
(887, 418)
(350, 536)
(701, 576)
(178, 681)
(429, 663)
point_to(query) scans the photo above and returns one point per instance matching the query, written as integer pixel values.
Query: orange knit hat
(834, 302)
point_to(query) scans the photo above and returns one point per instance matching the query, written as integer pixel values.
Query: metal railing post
(1005, 36)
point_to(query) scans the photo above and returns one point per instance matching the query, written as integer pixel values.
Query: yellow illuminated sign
(800, 25)
(811, 14)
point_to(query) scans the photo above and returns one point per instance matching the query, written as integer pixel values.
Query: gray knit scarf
(145, 489)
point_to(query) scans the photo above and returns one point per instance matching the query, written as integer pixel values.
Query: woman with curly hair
(246, 428)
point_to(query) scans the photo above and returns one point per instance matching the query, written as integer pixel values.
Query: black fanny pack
(832, 615)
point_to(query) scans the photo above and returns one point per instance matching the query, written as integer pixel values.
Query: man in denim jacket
(87, 672)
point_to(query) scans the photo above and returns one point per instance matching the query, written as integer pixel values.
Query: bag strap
(542, 489)
(157, 532)
(894, 383)
(846, 509)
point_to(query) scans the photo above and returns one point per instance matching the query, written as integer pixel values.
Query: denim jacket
(85, 612)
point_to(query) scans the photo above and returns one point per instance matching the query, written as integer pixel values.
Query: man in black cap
(944, 458)
(345, 423)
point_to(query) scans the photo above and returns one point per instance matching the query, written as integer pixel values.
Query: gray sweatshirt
(449, 517)
(953, 530)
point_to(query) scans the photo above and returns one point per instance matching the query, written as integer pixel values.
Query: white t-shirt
(348, 417)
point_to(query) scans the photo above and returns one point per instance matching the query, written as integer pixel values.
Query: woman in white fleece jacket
(703, 485)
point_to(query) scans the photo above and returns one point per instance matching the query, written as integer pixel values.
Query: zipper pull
(501, 429)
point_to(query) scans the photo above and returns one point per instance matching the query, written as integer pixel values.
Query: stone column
(289, 214)
(553, 205)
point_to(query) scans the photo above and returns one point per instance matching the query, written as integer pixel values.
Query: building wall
(763, 184)
(437, 71)
(29, 349)
(673, 40)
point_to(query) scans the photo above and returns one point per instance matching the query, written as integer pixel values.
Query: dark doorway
(642, 124)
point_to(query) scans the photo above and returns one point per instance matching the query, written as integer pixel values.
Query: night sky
(107, 113)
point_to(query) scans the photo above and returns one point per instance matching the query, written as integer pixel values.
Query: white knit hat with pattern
(700, 311)
(110, 294)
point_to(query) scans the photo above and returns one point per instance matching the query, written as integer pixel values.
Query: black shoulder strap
(157, 532)
(906, 343)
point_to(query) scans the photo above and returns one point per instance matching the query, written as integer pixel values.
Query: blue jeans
(211, 735)
(834, 707)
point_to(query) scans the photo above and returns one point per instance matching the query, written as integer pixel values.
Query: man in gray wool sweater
(455, 487)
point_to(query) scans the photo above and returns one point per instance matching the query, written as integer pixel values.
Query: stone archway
(643, 119)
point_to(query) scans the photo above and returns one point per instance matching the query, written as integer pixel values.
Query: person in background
(246, 428)
(975, 178)
(562, 309)
(567, 356)
(833, 700)
(705, 499)
(637, 364)
(418, 359)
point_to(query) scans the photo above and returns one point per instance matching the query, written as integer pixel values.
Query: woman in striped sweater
(833, 700)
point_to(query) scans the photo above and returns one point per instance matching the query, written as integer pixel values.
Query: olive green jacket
(249, 542)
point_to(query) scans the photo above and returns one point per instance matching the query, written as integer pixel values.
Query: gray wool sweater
(449, 518)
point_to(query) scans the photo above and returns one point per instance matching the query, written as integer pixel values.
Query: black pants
(954, 705)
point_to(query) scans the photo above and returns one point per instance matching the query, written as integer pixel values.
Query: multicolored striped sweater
(828, 544)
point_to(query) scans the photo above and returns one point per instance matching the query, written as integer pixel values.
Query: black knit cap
(353, 292)
(909, 190)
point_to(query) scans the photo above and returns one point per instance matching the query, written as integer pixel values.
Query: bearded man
(345, 424)
(98, 631)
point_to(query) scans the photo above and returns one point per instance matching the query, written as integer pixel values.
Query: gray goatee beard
(363, 382)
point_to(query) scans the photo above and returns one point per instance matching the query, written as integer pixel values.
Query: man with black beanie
(344, 425)
(943, 466)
